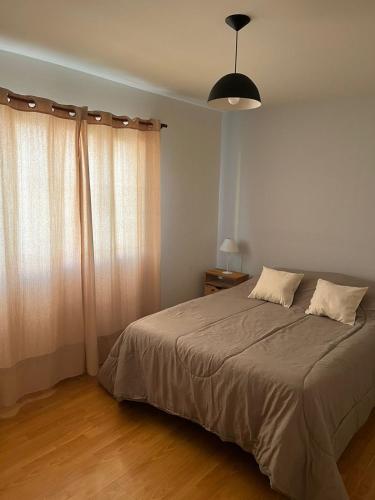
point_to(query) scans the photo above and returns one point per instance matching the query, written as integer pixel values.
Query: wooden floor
(79, 443)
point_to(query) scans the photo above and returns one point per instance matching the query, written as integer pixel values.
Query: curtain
(125, 219)
(79, 238)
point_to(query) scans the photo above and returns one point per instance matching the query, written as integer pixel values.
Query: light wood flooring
(79, 443)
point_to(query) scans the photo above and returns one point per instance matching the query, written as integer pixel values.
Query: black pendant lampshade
(235, 91)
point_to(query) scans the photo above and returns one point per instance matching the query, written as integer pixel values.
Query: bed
(289, 388)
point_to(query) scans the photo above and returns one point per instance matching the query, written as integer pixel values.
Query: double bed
(290, 388)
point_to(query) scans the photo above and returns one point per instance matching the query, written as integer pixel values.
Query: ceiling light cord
(235, 57)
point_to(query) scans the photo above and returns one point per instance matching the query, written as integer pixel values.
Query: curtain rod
(66, 108)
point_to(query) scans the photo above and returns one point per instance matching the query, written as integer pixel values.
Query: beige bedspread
(289, 388)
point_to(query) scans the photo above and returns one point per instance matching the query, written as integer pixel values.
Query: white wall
(298, 186)
(297, 182)
(190, 151)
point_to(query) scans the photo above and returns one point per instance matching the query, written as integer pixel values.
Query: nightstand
(215, 280)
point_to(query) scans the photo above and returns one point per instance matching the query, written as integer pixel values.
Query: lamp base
(227, 272)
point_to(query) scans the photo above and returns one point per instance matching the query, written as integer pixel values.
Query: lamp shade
(229, 246)
(233, 92)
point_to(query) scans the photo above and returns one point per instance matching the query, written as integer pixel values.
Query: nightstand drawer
(208, 289)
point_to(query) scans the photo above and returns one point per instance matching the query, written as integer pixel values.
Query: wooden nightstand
(215, 280)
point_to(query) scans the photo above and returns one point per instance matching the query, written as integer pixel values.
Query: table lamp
(228, 246)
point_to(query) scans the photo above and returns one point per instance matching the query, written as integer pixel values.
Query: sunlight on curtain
(40, 256)
(125, 186)
(79, 241)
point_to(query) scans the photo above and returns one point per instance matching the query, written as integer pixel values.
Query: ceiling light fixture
(235, 91)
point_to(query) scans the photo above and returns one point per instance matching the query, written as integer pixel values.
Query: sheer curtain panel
(79, 238)
(124, 180)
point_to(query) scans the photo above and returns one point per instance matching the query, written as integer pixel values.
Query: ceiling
(293, 49)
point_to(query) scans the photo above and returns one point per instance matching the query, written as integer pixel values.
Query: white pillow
(276, 286)
(336, 301)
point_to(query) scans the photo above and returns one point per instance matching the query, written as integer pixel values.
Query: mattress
(289, 388)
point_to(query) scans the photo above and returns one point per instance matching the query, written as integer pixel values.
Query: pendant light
(235, 91)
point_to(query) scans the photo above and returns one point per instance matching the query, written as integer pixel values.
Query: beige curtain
(126, 229)
(79, 239)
